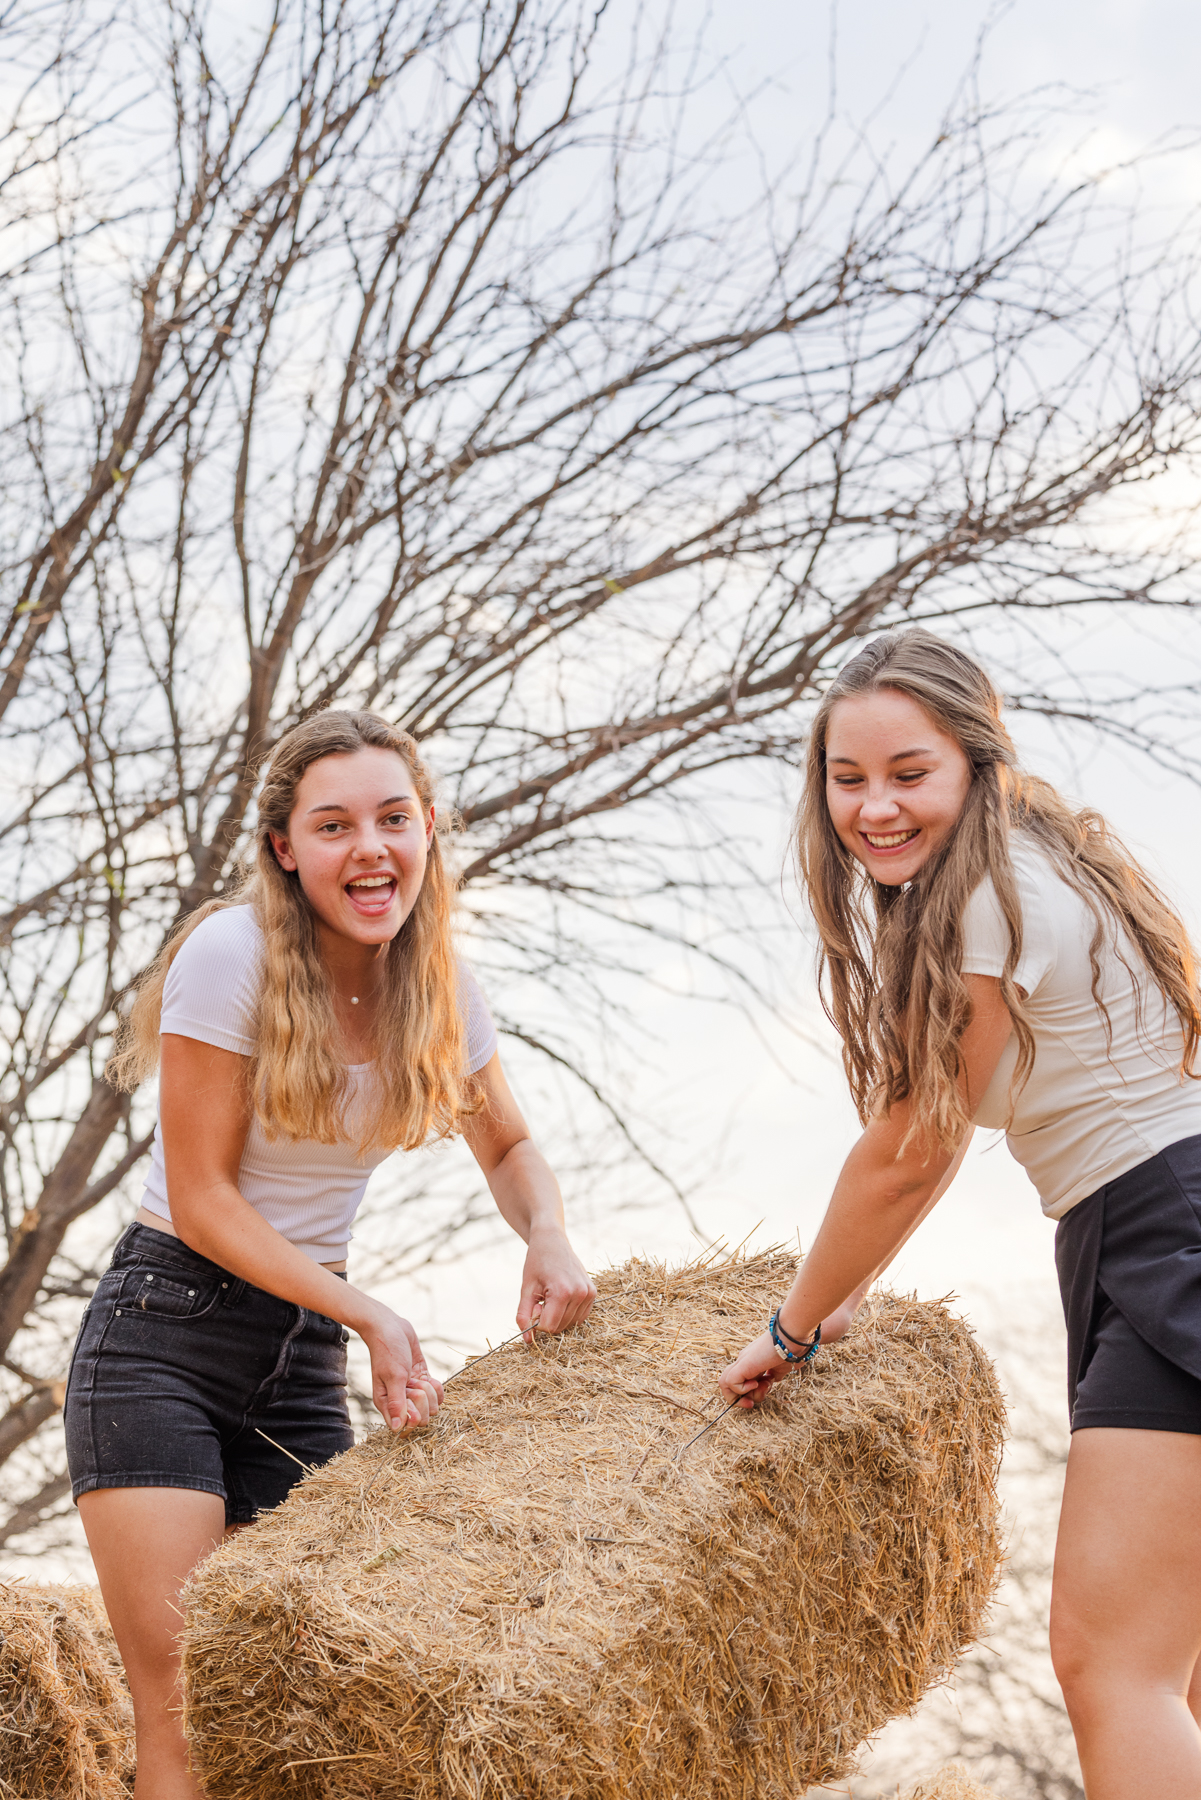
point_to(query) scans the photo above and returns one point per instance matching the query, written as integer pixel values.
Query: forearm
(875, 1207)
(218, 1223)
(526, 1192)
(857, 1293)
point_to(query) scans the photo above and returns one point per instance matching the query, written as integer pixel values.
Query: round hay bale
(66, 1720)
(540, 1597)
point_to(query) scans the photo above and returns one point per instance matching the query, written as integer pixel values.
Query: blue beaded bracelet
(778, 1334)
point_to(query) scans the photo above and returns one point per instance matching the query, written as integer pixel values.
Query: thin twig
(700, 1434)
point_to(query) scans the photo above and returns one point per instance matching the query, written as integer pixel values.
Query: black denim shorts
(179, 1366)
(1129, 1262)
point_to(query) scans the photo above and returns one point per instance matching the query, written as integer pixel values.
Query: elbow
(506, 1156)
(904, 1192)
(192, 1215)
(896, 1198)
(188, 1233)
(905, 1181)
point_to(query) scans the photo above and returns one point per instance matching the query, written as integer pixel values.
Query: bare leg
(144, 1543)
(1126, 1611)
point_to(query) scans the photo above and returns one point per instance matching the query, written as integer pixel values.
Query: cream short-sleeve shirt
(1093, 1107)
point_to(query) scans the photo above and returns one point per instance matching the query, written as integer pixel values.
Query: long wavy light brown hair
(297, 1083)
(891, 958)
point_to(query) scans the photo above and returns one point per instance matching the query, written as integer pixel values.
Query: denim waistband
(142, 1243)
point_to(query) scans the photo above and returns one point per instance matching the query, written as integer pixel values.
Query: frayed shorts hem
(155, 1478)
(1099, 1419)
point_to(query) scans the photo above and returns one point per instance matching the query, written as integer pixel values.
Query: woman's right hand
(404, 1391)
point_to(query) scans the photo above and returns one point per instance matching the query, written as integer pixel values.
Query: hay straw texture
(66, 1722)
(534, 1600)
(951, 1783)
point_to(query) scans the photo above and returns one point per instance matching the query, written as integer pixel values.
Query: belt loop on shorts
(122, 1250)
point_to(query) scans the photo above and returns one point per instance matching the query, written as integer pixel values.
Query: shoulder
(234, 929)
(985, 932)
(1034, 870)
(1053, 912)
(1044, 900)
(211, 990)
(227, 942)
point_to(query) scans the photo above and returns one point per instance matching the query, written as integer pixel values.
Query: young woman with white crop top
(307, 1027)
(993, 957)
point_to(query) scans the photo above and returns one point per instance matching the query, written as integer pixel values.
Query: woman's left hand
(750, 1376)
(556, 1289)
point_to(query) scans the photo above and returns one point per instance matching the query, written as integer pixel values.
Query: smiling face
(895, 783)
(358, 839)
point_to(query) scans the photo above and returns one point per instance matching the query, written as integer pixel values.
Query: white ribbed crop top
(1095, 1105)
(309, 1192)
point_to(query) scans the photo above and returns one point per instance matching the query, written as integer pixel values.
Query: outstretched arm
(880, 1198)
(556, 1289)
(835, 1324)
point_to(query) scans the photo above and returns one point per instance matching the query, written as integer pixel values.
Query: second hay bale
(66, 1721)
(535, 1600)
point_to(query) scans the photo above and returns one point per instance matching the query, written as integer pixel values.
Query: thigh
(173, 1356)
(145, 1542)
(1127, 1587)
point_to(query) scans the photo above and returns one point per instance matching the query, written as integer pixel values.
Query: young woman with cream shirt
(993, 956)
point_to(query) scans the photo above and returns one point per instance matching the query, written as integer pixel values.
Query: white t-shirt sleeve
(212, 988)
(481, 1032)
(986, 931)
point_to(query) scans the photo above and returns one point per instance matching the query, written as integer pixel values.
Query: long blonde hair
(891, 958)
(297, 1084)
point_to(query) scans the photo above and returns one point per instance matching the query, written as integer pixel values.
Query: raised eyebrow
(337, 806)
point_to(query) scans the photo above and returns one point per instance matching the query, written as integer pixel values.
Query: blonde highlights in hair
(891, 958)
(297, 1084)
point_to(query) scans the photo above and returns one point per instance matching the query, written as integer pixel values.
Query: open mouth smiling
(371, 893)
(891, 840)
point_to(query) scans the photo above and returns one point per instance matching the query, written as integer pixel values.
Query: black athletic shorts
(178, 1368)
(1129, 1263)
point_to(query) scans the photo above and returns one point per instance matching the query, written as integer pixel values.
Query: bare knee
(1089, 1660)
(1099, 1671)
(1074, 1656)
(150, 1664)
